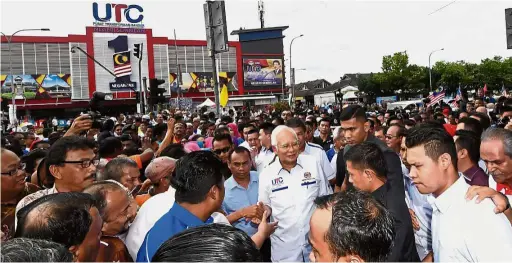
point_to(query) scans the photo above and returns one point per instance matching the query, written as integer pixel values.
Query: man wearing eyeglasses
(221, 146)
(14, 188)
(288, 187)
(72, 163)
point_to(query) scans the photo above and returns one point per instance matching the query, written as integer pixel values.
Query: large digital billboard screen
(263, 72)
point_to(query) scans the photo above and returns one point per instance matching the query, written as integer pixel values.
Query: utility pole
(292, 74)
(217, 39)
(138, 52)
(430, 66)
(261, 10)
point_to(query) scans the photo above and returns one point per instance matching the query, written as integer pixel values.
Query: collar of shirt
(232, 183)
(281, 166)
(186, 217)
(469, 173)
(443, 202)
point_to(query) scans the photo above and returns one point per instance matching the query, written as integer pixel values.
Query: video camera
(96, 107)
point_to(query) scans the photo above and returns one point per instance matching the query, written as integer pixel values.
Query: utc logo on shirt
(277, 181)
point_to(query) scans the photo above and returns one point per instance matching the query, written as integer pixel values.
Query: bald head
(481, 109)
(159, 168)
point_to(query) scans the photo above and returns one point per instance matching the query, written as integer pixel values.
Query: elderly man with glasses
(287, 188)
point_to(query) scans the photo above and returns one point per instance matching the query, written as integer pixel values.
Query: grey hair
(278, 130)
(34, 250)
(336, 133)
(502, 135)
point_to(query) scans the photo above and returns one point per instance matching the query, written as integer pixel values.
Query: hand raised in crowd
(170, 124)
(415, 222)
(146, 143)
(482, 192)
(80, 124)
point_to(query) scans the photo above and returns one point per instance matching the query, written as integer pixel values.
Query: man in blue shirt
(241, 199)
(199, 192)
(199, 185)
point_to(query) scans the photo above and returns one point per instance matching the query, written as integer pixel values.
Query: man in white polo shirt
(288, 186)
(462, 230)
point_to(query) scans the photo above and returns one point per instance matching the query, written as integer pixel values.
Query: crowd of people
(352, 183)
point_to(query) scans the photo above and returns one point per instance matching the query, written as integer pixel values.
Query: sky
(340, 36)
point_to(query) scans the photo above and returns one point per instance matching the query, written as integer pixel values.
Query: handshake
(253, 213)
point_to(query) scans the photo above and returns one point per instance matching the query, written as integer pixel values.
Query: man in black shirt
(367, 171)
(355, 128)
(325, 137)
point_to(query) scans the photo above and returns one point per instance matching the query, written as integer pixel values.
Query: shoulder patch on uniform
(315, 145)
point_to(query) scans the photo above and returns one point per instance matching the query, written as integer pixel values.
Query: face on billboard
(262, 72)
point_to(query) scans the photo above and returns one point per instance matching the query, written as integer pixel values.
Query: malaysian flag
(122, 64)
(457, 98)
(435, 98)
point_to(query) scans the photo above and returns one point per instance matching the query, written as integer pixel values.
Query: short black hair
(279, 120)
(409, 122)
(221, 130)
(360, 226)
(34, 250)
(325, 120)
(110, 146)
(195, 174)
(296, 123)
(353, 111)
(174, 150)
(209, 243)
(239, 149)
(436, 142)
(471, 142)
(253, 131)
(473, 125)
(30, 159)
(267, 127)
(401, 129)
(276, 61)
(62, 217)
(325, 201)
(160, 130)
(222, 137)
(58, 151)
(367, 155)
(114, 168)
(484, 119)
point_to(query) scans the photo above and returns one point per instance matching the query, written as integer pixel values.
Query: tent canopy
(207, 103)
(348, 89)
(350, 95)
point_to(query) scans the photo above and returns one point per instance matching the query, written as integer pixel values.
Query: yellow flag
(224, 96)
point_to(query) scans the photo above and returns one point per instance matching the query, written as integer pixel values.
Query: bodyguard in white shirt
(462, 231)
(312, 149)
(288, 187)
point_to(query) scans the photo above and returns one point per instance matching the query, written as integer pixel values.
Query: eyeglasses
(287, 146)
(221, 151)
(14, 172)
(85, 163)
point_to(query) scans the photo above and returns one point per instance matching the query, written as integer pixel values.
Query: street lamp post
(430, 67)
(292, 72)
(9, 39)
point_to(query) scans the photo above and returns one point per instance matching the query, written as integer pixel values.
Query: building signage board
(117, 15)
(263, 72)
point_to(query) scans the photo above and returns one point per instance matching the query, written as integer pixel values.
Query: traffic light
(137, 50)
(508, 27)
(156, 94)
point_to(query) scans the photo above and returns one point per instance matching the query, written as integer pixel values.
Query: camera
(96, 106)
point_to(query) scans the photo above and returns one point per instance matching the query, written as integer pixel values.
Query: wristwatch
(508, 202)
